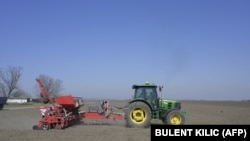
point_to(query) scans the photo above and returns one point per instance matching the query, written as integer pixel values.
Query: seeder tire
(46, 126)
(137, 115)
(35, 127)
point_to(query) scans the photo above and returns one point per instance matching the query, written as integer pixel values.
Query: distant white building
(18, 100)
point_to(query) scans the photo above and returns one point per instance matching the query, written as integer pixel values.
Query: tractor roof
(146, 84)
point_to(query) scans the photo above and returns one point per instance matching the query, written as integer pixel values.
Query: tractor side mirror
(160, 88)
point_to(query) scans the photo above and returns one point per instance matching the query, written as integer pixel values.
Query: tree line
(10, 78)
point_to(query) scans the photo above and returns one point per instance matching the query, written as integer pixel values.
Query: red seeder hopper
(64, 111)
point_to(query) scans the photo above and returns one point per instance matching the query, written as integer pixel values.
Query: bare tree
(21, 94)
(9, 79)
(53, 86)
(2, 89)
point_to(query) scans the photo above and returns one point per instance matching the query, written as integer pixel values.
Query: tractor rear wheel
(174, 117)
(138, 114)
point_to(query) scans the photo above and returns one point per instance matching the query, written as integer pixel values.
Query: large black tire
(137, 115)
(174, 117)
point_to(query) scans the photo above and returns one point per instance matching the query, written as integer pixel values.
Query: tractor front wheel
(138, 114)
(174, 117)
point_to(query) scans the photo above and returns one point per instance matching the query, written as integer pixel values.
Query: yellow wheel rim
(138, 115)
(175, 119)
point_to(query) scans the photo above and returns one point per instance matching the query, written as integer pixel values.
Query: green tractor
(147, 105)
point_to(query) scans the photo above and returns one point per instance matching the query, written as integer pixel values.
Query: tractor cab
(146, 92)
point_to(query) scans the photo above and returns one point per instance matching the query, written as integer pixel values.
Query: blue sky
(196, 49)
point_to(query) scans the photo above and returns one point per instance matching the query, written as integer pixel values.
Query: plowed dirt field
(16, 122)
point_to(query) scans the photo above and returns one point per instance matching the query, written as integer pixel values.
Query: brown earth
(16, 122)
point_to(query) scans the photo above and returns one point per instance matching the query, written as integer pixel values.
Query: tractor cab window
(150, 94)
(140, 93)
(146, 93)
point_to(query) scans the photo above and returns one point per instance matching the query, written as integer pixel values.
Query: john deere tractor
(147, 105)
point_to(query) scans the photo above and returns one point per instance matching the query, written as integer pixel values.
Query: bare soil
(16, 122)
